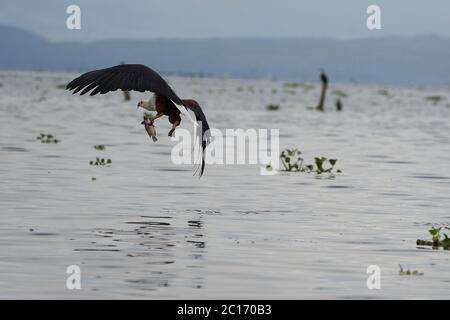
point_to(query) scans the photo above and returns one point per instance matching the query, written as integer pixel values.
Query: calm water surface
(147, 228)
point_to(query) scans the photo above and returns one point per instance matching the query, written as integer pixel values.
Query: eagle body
(164, 106)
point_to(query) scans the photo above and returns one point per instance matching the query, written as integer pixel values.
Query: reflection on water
(153, 241)
(146, 228)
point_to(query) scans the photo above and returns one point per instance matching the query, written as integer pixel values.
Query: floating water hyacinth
(292, 161)
(408, 272)
(100, 162)
(434, 99)
(47, 138)
(339, 93)
(99, 147)
(272, 107)
(294, 85)
(437, 239)
(383, 92)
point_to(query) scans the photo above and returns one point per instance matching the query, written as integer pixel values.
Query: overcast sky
(226, 18)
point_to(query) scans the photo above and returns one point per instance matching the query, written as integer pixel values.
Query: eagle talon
(148, 121)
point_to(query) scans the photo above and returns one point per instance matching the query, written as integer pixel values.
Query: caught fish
(150, 128)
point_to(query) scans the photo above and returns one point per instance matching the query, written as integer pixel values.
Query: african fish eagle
(141, 78)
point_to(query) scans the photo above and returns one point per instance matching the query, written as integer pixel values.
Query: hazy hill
(424, 59)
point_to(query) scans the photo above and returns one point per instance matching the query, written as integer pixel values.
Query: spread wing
(204, 135)
(135, 77)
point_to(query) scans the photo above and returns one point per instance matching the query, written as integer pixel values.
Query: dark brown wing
(135, 77)
(204, 135)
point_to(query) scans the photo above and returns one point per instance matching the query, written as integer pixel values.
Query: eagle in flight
(141, 78)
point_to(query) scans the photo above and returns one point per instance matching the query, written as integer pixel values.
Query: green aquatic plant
(409, 272)
(434, 99)
(339, 93)
(437, 239)
(292, 161)
(272, 107)
(100, 162)
(294, 85)
(61, 86)
(99, 147)
(47, 138)
(320, 162)
(293, 92)
(435, 233)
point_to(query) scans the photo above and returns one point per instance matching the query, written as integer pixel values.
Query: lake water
(147, 229)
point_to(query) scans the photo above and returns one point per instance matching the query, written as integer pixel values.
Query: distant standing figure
(324, 80)
(338, 104)
(126, 95)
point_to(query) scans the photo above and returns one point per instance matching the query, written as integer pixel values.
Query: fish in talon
(150, 128)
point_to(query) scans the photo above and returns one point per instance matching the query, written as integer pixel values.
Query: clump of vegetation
(339, 93)
(383, 92)
(434, 99)
(293, 92)
(272, 107)
(409, 272)
(292, 161)
(100, 162)
(47, 138)
(437, 239)
(99, 147)
(320, 162)
(93, 178)
(294, 85)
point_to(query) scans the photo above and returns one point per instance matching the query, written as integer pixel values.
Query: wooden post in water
(324, 80)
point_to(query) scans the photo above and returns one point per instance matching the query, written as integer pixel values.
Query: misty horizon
(199, 19)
